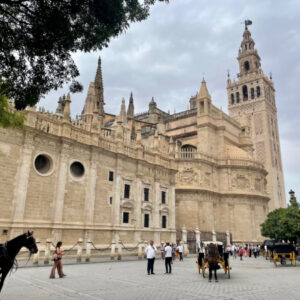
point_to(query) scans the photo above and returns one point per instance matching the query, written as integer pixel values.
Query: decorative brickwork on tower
(252, 96)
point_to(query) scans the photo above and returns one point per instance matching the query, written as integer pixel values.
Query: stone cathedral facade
(146, 176)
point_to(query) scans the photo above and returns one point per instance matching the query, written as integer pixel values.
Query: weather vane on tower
(247, 23)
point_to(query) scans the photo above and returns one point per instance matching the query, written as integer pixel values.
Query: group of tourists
(247, 250)
(168, 253)
(177, 251)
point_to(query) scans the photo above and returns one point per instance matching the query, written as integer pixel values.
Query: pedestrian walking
(180, 251)
(168, 258)
(255, 250)
(241, 253)
(266, 251)
(57, 264)
(235, 251)
(150, 252)
(173, 252)
(162, 250)
(232, 250)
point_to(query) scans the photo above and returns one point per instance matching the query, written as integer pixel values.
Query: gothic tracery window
(232, 99)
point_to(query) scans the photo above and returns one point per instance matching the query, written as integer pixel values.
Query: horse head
(30, 243)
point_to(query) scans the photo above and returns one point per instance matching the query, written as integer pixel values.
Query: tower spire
(99, 89)
(130, 110)
(203, 93)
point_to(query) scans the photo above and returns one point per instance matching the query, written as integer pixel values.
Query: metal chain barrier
(131, 248)
(98, 249)
(71, 247)
(66, 249)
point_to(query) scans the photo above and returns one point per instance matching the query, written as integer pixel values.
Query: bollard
(88, 251)
(119, 250)
(198, 239)
(113, 250)
(228, 238)
(36, 256)
(214, 236)
(186, 249)
(184, 241)
(47, 252)
(79, 250)
(140, 251)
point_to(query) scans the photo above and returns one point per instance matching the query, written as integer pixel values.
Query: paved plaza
(127, 280)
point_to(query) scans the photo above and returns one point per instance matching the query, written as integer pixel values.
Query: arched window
(246, 65)
(188, 151)
(252, 93)
(232, 99)
(237, 96)
(258, 91)
(245, 92)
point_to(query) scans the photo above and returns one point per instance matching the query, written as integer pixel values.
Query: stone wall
(62, 205)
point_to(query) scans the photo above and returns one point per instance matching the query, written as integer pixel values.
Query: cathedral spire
(203, 93)
(123, 116)
(130, 110)
(66, 109)
(99, 89)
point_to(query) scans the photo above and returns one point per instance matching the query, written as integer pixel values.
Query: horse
(10, 249)
(212, 258)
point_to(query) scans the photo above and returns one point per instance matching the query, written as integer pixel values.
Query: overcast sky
(167, 55)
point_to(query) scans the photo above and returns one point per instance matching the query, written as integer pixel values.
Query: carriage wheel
(228, 272)
(198, 266)
(203, 268)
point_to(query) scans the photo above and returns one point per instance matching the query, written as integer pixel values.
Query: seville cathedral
(153, 175)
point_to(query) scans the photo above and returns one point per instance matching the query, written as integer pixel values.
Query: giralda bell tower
(251, 101)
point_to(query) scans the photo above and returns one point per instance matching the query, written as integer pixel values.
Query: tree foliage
(8, 118)
(283, 223)
(37, 38)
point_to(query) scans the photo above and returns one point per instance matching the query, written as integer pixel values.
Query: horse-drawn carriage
(270, 247)
(221, 258)
(283, 252)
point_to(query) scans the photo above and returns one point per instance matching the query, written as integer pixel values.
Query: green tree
(272, 225)
(8, 118)
(37, 38)
(283, 223)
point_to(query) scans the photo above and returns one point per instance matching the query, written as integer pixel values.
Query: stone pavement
(127, 280)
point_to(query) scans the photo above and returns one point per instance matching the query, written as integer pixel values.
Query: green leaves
(283, 223)
(7, 117)
(38, 37)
